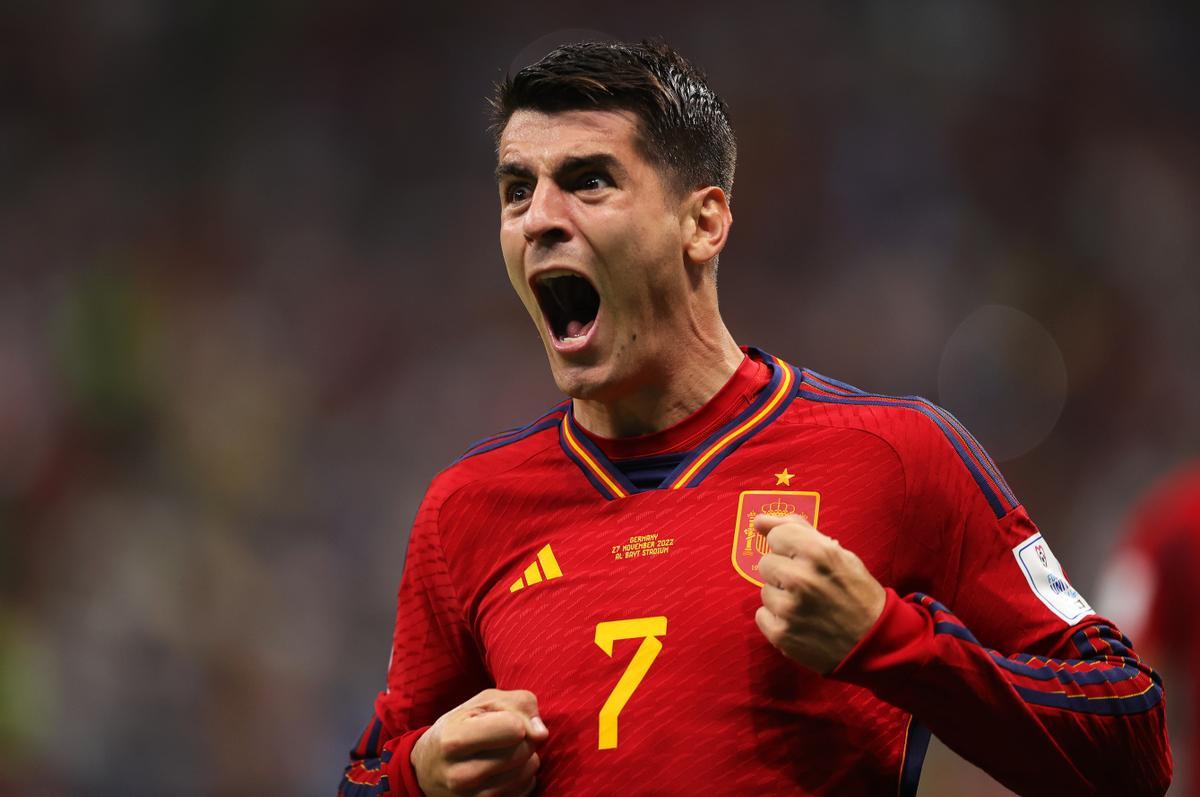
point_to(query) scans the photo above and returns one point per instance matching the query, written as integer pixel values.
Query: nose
(547, 219)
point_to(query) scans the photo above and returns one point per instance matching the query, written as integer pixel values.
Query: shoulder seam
(510, 436)
(979, 465)
(468, 616)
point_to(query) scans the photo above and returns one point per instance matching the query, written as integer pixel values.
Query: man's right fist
(487, 747)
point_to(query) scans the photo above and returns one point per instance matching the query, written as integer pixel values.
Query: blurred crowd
(251, 301)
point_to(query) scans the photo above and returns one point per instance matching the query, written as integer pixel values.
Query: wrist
(890, 648)
(403, 767)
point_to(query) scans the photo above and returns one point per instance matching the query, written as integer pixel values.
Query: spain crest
(748, 545)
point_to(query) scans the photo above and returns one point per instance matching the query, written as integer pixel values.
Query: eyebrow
(512, 170)
(599, 160)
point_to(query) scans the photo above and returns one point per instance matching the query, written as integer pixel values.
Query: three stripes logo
(533, 574)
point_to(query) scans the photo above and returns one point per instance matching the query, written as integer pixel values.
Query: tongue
(574, 328)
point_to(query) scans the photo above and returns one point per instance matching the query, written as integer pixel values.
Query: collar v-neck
(757, 393)
(736, 394)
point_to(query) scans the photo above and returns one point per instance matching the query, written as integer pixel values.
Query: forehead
(533, 137)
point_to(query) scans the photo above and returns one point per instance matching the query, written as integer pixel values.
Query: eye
(516, 193)
(593, 181)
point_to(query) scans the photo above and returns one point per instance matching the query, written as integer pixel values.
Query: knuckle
(521, 754)
(774, 599)
(467, 776)
(787, 576)
(456, 781)
(513, 725)
(524, 697)
(450, 742)
(781, 568)
(767, 622)
(825, 555)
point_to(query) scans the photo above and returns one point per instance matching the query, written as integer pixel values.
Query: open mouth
(570, 305)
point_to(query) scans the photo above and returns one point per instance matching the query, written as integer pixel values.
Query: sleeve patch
(1045, 577)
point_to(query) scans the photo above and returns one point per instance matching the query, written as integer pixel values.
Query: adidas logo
(533, 574)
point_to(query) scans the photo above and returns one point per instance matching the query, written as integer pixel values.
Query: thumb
(764, 523)
(536, 730)
(524, 703)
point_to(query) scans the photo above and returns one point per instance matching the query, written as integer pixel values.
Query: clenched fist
(818, 598)
(487, 747)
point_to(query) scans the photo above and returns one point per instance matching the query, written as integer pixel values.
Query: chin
(588, 382)
(576, 383)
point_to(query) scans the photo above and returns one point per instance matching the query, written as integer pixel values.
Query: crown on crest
(779, 508)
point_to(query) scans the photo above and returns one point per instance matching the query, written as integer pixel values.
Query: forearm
(1091, 722)
(433, 667)
(381, 767)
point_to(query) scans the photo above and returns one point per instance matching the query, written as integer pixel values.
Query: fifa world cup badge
(748, 545)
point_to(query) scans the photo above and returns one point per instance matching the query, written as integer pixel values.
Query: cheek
(524, 295)
(640, 250)
(655, 264)
(510, 250)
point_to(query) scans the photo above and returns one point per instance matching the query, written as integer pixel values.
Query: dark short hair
(684, 125)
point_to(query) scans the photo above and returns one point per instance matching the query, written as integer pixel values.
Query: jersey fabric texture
(536, 563)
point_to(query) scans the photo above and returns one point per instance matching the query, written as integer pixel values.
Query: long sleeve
(434, 666)
(992, 649)
(1086, 720)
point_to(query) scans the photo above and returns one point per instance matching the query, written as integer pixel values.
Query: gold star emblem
(784, 478)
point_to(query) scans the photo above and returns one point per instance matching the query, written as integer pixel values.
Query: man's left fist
(818, 598)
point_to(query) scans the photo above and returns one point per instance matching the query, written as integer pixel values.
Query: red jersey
(535, 563)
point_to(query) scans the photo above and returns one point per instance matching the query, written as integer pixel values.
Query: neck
(677, 386)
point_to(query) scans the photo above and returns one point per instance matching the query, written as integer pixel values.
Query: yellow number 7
(649, 629)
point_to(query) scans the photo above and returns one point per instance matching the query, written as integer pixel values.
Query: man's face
(593, 241)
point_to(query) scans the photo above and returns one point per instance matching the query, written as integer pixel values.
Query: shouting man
(710, 571)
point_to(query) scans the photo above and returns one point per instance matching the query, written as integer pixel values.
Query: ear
(706, 224)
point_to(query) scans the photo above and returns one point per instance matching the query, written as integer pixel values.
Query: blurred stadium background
(251, 300)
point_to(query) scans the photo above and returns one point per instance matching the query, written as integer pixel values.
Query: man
(630, 594)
